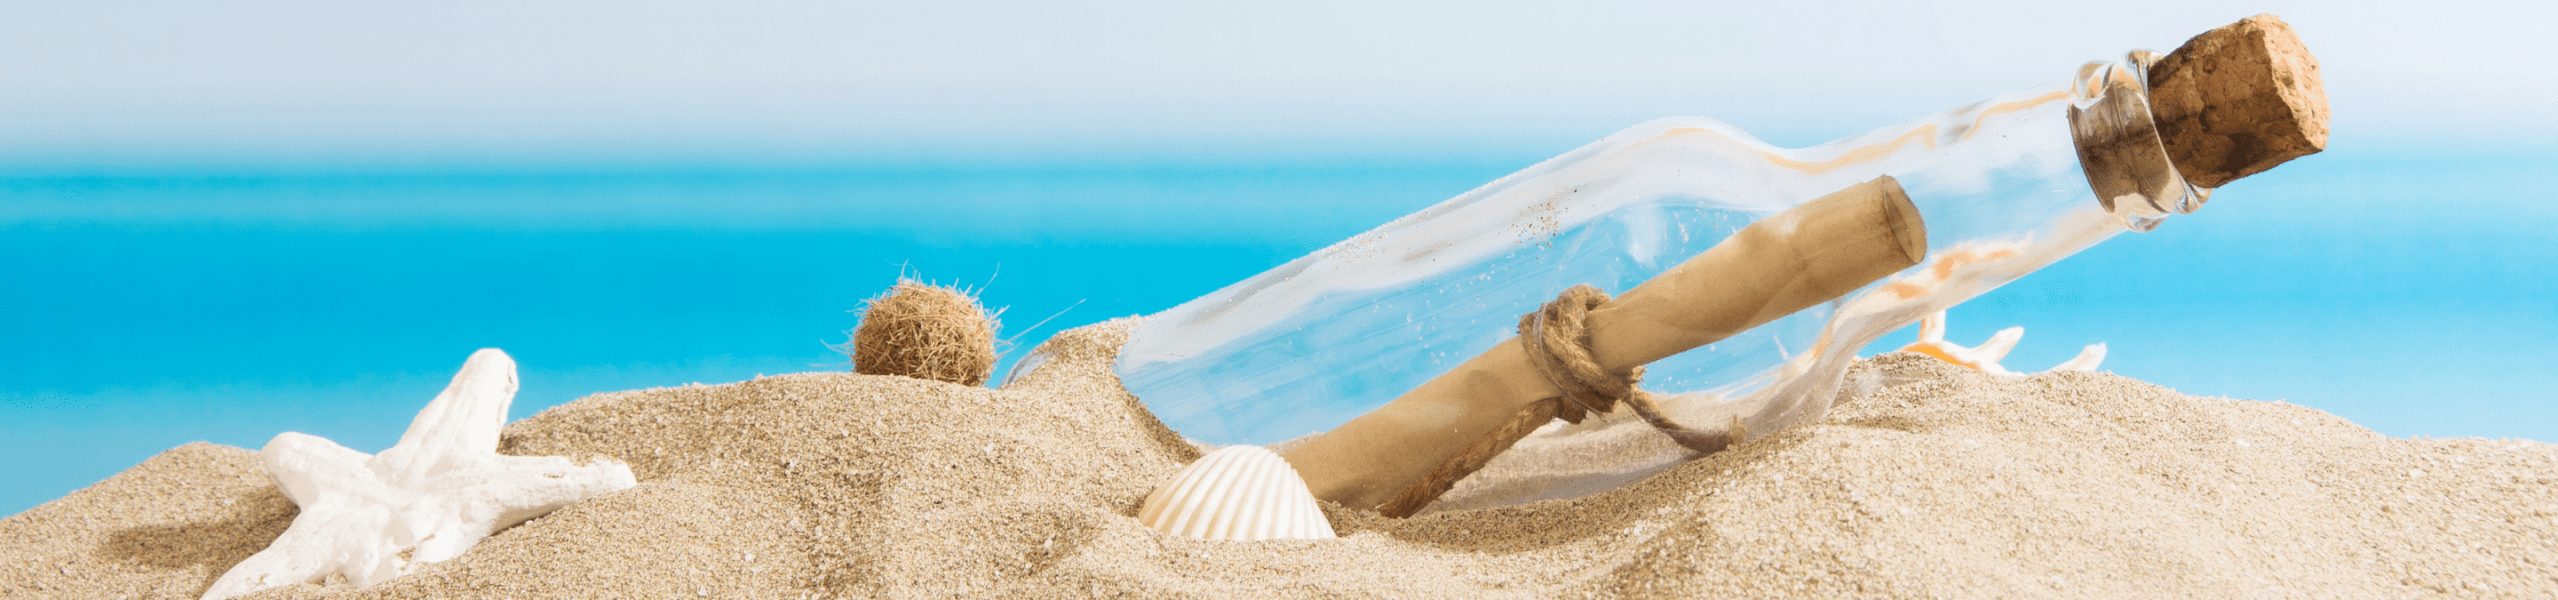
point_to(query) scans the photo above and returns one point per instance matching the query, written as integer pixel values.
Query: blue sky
(759, 82)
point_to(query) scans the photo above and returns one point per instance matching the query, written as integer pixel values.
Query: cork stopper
(2238, 100)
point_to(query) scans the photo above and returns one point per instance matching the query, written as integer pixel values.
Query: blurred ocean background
(221, 222)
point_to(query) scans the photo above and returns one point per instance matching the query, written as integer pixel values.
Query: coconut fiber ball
(926, 332)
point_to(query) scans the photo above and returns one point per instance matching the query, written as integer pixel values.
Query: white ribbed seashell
(1236, 493)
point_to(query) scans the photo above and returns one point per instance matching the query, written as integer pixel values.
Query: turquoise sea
(2413, 292)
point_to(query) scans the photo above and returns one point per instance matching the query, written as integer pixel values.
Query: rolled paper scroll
(1447, 427)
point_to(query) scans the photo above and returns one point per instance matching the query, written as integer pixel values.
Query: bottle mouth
(2119, 147)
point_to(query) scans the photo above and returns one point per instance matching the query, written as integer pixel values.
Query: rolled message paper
(1786, 262)
(1795, 259)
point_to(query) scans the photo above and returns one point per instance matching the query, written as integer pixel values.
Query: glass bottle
(2005, 186)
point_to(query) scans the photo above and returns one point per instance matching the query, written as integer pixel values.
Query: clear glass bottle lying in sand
(1328, 336)
(2004, 187)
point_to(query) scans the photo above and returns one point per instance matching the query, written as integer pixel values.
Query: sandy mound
(1926, 481)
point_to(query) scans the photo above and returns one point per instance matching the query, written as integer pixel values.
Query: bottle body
(2004, 186)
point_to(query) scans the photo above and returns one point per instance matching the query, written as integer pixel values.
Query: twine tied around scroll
(1557, 338)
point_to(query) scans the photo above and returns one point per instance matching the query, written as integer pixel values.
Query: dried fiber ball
(926, 332)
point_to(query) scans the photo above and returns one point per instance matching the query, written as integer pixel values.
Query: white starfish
(1985, 357)
(444, 487)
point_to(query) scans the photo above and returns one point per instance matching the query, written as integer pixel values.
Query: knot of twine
(1557, 337)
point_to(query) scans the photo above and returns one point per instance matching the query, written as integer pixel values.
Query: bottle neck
(2119, 146)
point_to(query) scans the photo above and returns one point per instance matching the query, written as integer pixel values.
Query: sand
(1927, 480)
